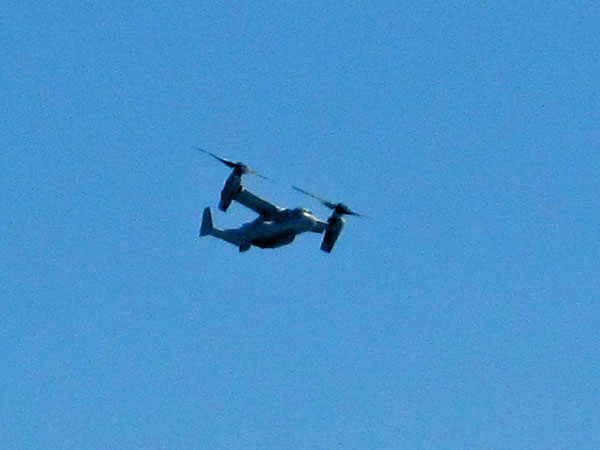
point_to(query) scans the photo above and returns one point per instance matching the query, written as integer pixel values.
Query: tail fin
(207, 224)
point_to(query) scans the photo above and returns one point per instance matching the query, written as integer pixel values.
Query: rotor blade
(340, 207)
(349, 212)
(218, 158)
(254, 172)
(327, 203)
(244, 168)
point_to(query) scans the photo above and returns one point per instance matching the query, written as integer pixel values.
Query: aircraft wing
(257, 204)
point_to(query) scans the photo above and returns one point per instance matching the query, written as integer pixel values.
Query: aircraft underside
(275, 241)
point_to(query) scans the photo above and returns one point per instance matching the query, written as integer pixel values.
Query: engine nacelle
(335, 227)
(233, 185)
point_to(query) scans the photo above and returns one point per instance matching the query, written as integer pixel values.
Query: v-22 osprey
(274, 226)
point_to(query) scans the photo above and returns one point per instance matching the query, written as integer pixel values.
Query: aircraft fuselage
(275, 231)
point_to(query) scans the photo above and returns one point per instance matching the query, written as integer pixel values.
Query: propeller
(239, 167)
(339, 208)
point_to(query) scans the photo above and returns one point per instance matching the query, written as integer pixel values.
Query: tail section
(231, 236)
(207, 223)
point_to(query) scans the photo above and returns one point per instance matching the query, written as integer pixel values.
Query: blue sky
(462, 314)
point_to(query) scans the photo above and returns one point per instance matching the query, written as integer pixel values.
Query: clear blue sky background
(463, 314)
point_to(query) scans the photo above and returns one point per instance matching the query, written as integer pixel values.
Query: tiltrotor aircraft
(275, 226)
